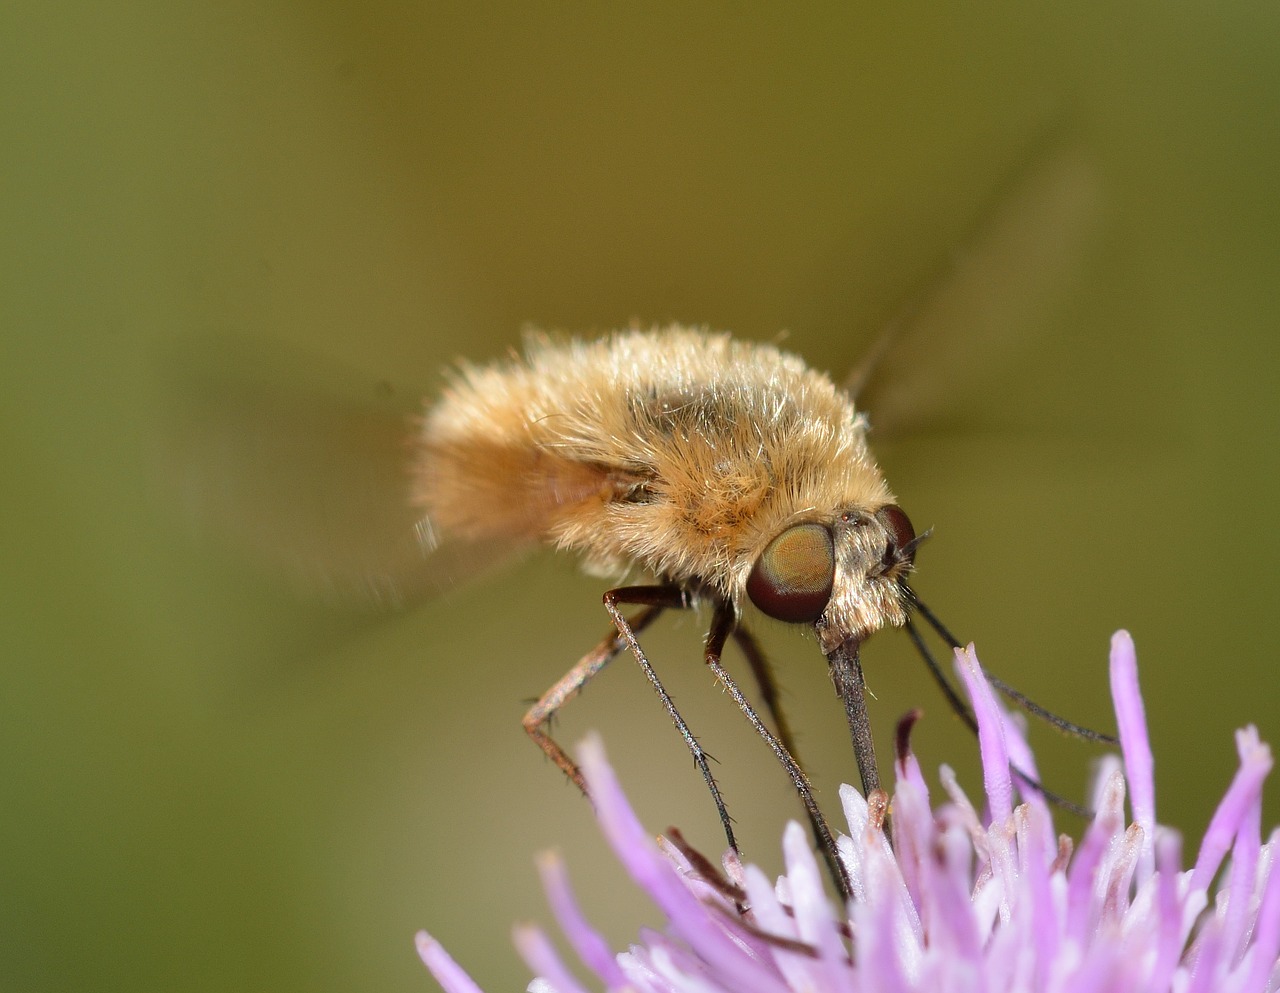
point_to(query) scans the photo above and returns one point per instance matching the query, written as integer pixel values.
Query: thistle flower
(957, 901)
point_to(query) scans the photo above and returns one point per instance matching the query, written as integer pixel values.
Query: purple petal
(995, 756)
(447, 972)
(815, 923)
(913, 836)
(799, 970)
(1037, 857)
(1122, 860)
(587, 942)
(1086, 870)
(1004, 865)
(858, 817)
(1245, 789)
(1135, 745)
(543, 959)
(1244, 862)
(897, 924)
(655, 875)
(878, 951)
(1266, 930)
(948, 912)
(1169, 937)
(957, 903)
(1205, 974)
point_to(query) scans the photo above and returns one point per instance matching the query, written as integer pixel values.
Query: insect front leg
(768, 688)
(663, 597)
(721, 625)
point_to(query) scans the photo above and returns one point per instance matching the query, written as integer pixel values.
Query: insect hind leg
(655, 599)
(539, 717)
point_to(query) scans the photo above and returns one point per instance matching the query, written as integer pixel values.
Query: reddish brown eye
(792, 579)
(901, 534)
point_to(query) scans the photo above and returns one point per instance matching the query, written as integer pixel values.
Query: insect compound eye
(901, 534)
(792, 579)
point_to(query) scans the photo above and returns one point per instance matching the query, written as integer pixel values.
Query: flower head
(950, 899)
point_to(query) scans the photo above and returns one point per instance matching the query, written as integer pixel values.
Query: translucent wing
(977, 305)
(271, 454)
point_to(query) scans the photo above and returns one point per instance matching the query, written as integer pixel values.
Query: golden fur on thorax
(679, 451)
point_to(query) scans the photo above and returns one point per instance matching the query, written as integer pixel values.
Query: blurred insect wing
(268, 458)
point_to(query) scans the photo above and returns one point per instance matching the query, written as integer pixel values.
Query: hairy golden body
(728, 471)
(679, 451)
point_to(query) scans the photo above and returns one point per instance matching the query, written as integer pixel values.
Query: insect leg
(569, 686)
(662, 597)
(767, 686)
(966, 715)
(960, 708)
(721, 624)
(1021, 699)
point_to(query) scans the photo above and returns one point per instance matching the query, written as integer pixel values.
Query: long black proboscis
(846, 673)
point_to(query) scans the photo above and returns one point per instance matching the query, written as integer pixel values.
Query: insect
(729, 471)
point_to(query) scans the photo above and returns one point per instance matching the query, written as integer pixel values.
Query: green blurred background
(211, 786)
